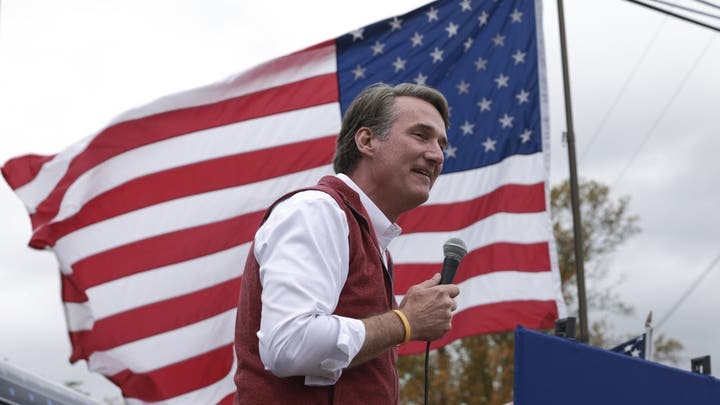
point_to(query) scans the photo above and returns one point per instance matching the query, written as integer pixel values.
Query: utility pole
(584, 335)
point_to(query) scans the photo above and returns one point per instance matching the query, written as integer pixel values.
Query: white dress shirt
(303, 253)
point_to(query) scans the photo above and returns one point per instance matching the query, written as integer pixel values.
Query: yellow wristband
(406, 325)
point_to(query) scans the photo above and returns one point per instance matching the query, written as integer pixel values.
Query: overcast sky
(645, 95)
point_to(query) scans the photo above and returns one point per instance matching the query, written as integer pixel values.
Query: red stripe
(211, 175)
(71, 291)
(22, 170)
(492, 318)
(533, 257)
(155, 318)
(178, 378)
(458, 215)
(128, 135)
(228, 400)
(165, 249)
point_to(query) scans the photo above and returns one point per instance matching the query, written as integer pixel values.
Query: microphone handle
(450, 265)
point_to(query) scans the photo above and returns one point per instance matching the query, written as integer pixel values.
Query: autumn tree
(479, 369)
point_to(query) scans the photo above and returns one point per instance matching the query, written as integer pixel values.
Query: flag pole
(574, 193)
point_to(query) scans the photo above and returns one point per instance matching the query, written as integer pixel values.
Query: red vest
(367, 292)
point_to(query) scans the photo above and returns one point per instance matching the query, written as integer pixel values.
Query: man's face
(409, 161)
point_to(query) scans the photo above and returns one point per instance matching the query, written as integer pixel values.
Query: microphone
(454, 250)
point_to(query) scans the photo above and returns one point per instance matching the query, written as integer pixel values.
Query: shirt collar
(385, 231)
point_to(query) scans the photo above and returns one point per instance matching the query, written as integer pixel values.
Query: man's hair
(373, 109)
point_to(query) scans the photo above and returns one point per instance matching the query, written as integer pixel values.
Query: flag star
(519, 57)
(432, 14)
(523, 97)
(450, 152)
(396, 24)
(499, 40)
(483, 19)
(463, 87)
(506, 121)
(516, 16)
(525, 136)
(399, 64)
(502, 80)
(378, 48)
(359, 72)
(628, 348)
(635, 353)
(484, 104)
(452, 29)
(468, 43)
(357, 34)
(489, 144)
(467, 128)
(437, 55)
(417, 40)
(465, 5)
(480, 64)
(420, 79)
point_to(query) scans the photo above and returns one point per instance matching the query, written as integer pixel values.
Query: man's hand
(428, 307)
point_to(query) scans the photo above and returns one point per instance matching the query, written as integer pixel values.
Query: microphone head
(455, 248)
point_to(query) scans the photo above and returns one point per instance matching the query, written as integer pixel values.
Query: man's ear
(365, 141)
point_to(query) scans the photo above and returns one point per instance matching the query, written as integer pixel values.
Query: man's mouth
(423, 172)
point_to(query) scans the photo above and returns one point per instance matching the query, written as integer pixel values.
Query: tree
(479, 369)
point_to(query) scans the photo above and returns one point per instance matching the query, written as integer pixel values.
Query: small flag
(634, 347)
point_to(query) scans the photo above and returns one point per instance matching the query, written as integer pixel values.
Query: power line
(624, 87)
(665, 108)
(682, 17)
(689, 291)
(690, 9)
(711, 4)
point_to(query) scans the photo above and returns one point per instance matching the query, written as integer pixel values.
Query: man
(317, 319)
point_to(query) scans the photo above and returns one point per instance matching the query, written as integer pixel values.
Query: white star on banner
(484, 104)
(417, 40)
(468, 43)
(437, 55)
(359, 72)
(499, 40)
(432, 15)
(399, 64)
(463, 87)
(519, 57)
(523, 97)
(357, 34)
(506, 121)
(378, 48)
(525, 136)
(450, 152)
(452, 29)
(483, 19)
(465, 5)
(481, 64)
(489, 144)
(395, 24)
(516, 16)
(467, 128)
(502, 80)
(420, 79)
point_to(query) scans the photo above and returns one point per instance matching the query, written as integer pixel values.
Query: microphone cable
(427, 355)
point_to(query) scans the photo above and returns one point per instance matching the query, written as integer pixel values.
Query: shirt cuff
(349, 342)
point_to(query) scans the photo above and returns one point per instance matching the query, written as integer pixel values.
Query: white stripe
(470, 184)
(277, 72)
(299, 66)
(34, 192)
(166, 348)
(503, 286)
(79, 316)
(211, 394)
(426, 247)
(242, 137)
(179, 214)
(166, 282)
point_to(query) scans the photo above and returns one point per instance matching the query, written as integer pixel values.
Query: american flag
(151, 218)
(634, 347)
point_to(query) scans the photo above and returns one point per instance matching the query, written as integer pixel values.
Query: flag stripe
(144, 131)
(215, 174)
(177, 379)
(21, 171)
(491, 318)
(453, 216)
(153, 319)
(533, 257)
(166, 348)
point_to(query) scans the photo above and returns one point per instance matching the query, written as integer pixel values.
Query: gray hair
(373, 109)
